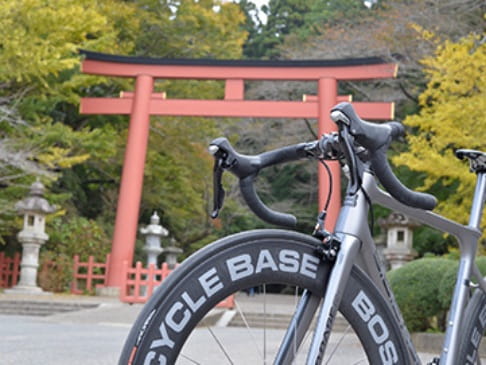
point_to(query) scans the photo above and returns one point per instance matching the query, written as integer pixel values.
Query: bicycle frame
(358, 247)
(467, 237)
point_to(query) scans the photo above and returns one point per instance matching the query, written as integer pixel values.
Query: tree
(451, 117)
(80, 156)
(190, 29)
(299, 19)
(178, 168)
(38, 74)
(394, 30)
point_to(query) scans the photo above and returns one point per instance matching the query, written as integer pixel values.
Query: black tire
(230, 265)
(474, 329)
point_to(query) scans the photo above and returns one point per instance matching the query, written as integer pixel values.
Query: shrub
(446, 286)
(69, 237)
(416, 289)
(55, 274)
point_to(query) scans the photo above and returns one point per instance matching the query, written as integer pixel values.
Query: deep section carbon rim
(179, 313)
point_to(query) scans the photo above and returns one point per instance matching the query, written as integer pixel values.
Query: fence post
(138, 279)
(89, 280)
(15, 269)
(3, 271)
(9, 270)
(74, 282)
(107, 267)
(124, 283)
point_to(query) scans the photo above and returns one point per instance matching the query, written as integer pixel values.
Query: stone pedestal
(28, 270)
(171, 254)
(108, 291)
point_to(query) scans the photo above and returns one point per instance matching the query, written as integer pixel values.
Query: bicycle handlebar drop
(246, 168)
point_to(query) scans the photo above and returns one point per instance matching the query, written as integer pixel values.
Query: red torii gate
(143, 102)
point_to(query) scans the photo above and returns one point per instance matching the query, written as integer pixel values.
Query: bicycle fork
(338, 278)
(349, 248)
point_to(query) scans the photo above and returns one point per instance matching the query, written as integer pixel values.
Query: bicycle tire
(474, 329)
(210, 275)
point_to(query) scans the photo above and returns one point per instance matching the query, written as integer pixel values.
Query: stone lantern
(399, 248)
(171, 252)
(153, 234)
(34, 208)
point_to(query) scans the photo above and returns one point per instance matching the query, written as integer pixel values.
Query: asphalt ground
(96, 336)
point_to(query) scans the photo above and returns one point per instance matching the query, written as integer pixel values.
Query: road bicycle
(331, 272)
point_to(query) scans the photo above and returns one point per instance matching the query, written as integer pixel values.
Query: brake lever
(218, 190)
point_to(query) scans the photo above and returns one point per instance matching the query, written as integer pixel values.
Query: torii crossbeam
(143, 102)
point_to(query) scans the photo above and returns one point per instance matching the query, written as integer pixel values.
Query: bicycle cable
(329, 180)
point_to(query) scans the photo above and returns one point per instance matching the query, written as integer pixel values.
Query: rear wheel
(180, 323)
(474, 329)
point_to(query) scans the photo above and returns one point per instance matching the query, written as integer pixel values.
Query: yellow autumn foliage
(452, 116)
(42, 37)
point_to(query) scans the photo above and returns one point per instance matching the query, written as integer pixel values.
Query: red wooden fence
(88, 275)
(9, 270)
(139, 283)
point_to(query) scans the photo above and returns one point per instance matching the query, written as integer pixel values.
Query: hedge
(416, 287)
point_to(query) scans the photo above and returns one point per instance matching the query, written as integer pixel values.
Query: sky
(259, 3)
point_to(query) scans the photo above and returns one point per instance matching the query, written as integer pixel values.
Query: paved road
(30, 341)
(96, 336)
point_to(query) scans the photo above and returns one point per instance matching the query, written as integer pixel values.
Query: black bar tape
(400, 192)
(376, 138)
(284, 154)
(260, 209)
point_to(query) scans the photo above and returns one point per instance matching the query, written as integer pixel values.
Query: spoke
(338, 343)
(264, 324)
(296, 302)
(238, 308)
(220, 345)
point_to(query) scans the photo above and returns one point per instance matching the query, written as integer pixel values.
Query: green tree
(38, 75)
(451, 117)
(298, 19)
(178, 169)
(190, 29)
(80, 156)
(392, 31)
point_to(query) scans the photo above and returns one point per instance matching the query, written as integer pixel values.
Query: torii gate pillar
(327, 91)
(125, 232)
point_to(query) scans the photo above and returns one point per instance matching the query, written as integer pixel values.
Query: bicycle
(332, 271)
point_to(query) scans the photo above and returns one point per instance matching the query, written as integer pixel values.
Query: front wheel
(175, 325)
